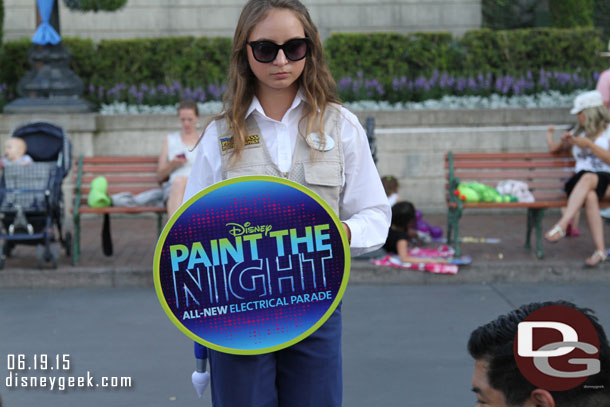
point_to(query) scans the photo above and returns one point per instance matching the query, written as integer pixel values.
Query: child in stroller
(31, 200)
(14, 152)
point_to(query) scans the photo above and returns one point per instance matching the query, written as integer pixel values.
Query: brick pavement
(134, 240)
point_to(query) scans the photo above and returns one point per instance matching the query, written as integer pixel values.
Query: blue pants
(307, 374)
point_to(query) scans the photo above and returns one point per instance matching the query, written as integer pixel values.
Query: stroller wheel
(67, 243)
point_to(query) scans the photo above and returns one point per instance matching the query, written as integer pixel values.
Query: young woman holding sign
(282, 117)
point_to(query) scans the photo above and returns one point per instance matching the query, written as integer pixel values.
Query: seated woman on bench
(176, 157)
(590, 145)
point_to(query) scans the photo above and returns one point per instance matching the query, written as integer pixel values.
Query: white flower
(551, 98)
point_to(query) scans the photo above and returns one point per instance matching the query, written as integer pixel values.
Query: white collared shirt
(364, 205)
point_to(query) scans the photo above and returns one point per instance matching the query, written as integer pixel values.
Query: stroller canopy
(46, 142)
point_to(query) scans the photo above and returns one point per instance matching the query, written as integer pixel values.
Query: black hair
(403, 213)
(493, 342)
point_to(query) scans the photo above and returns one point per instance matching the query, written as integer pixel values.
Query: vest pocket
(323, 173)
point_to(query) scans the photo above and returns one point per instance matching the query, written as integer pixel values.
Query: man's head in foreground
(497, 381)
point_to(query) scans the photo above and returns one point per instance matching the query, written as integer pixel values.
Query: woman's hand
(549, 135)
(561, 145)
(178, 161)
(348, 232)
(583, 142)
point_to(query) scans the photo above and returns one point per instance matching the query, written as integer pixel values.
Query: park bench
(545, 174)
(124, 174)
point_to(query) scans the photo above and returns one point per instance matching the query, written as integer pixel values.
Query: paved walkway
(402, 345)
(134, 239)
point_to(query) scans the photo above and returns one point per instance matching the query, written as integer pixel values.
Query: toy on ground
(425, 231)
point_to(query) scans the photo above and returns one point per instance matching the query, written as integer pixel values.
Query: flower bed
(494, 101)
(438, 91)
(439, 85)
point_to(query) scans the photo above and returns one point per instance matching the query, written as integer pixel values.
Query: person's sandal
(596, 258)
(555, 234)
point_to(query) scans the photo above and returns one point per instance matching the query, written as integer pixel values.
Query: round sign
(557, 348)
(251, 265)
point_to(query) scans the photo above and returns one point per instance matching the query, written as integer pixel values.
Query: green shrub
(601, 18)
(381, 66)
(94, 5)
(531, 49)
(571, 13)
(190, 61)
(14, 63)
(387, 55)
(508, 14)
(83, 61)
(1, 20)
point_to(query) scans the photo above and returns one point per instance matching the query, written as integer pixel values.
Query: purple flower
(461, 85)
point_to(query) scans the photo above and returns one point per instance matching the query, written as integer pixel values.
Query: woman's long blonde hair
(596, 121)
(316, 83)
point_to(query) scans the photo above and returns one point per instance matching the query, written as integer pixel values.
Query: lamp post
(49, 86)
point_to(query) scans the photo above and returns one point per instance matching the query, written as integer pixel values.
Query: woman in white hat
(590, 144)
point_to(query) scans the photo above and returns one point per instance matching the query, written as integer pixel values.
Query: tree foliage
(571, 13)
(509, 14)
(95, 5)
(1, 20)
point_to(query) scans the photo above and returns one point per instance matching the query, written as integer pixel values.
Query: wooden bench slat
(509, 156)
(123, 209)
(549, 195)
(539, 204)
(121, 188)
(536, 185)
(516, 175)
(101, 169)
(126, 160)
(509, 164)
(124, 179)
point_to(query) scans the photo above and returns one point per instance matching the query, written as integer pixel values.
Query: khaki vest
(320, 171)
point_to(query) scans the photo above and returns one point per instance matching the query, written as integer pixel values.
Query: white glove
(200, 382)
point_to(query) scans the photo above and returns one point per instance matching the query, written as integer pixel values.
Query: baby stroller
(31, 199)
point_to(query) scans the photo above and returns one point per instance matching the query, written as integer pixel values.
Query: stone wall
(411, 144)
(154, 18)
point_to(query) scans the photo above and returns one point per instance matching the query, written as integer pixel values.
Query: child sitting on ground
(390, 185)
(403, 220)
(14, 152)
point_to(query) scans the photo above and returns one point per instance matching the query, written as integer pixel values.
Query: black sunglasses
(266, 51)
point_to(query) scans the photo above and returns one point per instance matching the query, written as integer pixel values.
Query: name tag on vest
(228, 143)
